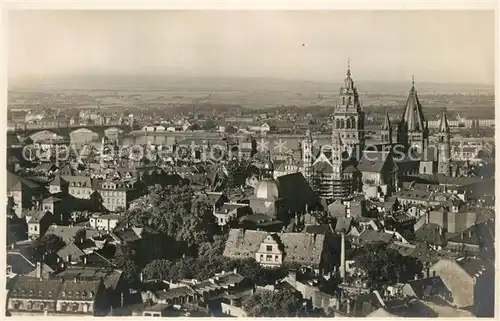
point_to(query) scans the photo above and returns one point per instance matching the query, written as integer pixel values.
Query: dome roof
(267, 189)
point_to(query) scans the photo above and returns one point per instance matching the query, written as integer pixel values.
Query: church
(350, 166)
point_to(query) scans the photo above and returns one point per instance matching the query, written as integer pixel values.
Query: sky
(435, 46)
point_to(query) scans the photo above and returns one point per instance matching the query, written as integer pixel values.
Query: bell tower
(444, 145)
(348, 118)
(413, 131)
(307, 157)
(386, 133)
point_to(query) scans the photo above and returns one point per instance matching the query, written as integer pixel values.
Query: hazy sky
(440, 46)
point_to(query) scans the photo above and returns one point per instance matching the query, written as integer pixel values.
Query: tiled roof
(174, 293)
(475, 267)
(126, 235)
(430, 233)
(35, 288)
(298, 247)
(323, 167)
(372, 236)
(70, 250)
(477, 232)
(343, 224)
(428, 287)
(67, 233)
(19, 263)
(16, 182)
(295, 190)
(372, 161)
(110, 277)
(79, 290)
(78, 181)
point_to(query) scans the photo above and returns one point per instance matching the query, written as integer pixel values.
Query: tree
(176, 212)
(49, 243)
(80, 236)
(383, 265)
(158, 269)
(195, 126)
(280, 303)
(209, 124)
(125, 259)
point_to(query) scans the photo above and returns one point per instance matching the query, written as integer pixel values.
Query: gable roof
(19, 263)
(295, 189)
(16, 182)
(70, 250)
(476, 233)
(428, 287)
(372, 236)
(35, 288)
(298, 247)
(475, 267)
(67, 233)
(430, 233)
(373, 161)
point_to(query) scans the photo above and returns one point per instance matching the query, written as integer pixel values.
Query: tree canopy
(176, 212)
(385, 265)
(267, 303)
(49, 243)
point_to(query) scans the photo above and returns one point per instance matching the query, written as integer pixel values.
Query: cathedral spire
(413, 115)
(443, 123)
(348, 67)
(387, 122)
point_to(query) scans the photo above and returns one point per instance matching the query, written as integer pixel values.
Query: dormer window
(63, 294)
(31, 292)
(269, 248)
(40, 293)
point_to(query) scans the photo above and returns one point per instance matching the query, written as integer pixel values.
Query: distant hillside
(206, 84)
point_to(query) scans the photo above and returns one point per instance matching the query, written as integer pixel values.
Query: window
(276, 258)
(269, 257)
(269, 248)
(147, 314)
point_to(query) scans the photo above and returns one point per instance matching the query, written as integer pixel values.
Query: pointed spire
(413, 81)
(348, 82)
(443, 123)
(413, 115)
(387, 122)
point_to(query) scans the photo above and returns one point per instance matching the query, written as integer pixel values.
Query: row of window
(269, 257)
(113, 193)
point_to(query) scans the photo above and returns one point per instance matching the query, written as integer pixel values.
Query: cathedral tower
(444, 145)
(307, 156)
(348, 118)
(413, 132)
(386, 133)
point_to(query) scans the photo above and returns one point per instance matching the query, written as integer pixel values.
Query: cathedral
(350, 165)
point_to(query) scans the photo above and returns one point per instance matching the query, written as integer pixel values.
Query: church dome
(267, 189)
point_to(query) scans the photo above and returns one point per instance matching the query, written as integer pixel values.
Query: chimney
(235, 270)
(348, 304)
(85, 259)
(13, 245)
(39, 268)
(342, 257)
